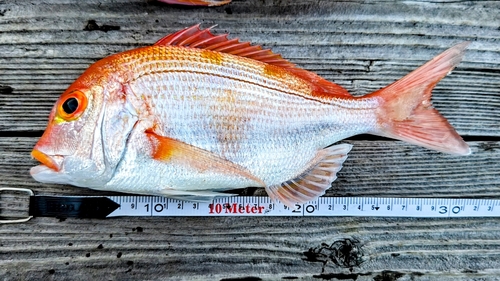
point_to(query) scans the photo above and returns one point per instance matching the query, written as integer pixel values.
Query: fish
(197, 2)
(196, 115)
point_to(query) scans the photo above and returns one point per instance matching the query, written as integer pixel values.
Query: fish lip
(46, 160)
(40, 169)
(42, 173)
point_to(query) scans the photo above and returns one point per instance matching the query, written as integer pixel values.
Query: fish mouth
(46, 160)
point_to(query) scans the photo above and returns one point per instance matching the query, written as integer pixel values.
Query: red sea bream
(196, 114)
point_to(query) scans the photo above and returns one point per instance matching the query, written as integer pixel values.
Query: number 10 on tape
(324, 206)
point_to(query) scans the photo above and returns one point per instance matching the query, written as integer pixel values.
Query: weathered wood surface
(362, 46)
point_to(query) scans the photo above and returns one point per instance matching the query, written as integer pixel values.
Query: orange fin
(197, 2)
(407, 113)
(169, 150)
(195, 37)
(322, 88)
(313, 181)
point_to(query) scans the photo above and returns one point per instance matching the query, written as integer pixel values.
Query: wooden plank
(373, 168)
(362, 46)
(270, 248)
(355, 45)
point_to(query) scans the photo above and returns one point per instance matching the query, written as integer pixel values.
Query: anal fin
(314, 180)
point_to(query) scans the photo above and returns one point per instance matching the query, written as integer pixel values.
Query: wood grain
(361, 45)
(268, 248)
(353, 44)
(373, 168)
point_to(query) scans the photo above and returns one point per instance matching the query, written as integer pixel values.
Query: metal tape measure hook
(26, 190)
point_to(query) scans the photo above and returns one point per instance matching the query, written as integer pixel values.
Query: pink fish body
(197, 114)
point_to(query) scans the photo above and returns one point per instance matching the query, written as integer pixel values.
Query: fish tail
(407, 114)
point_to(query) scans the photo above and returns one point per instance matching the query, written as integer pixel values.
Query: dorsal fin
(194, 37)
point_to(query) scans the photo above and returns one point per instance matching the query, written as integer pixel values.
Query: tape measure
(323, 206)
(153, 206)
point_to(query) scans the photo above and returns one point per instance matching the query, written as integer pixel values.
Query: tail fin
(407, 114)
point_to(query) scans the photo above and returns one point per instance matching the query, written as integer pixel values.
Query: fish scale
(197, 114)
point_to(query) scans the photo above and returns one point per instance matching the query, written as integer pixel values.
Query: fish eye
(71, 105)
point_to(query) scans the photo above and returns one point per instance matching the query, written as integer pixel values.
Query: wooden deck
(361, 45)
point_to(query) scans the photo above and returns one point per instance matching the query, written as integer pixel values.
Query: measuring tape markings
(324, 206)
(132, 205)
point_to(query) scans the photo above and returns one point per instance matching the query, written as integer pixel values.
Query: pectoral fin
(314, 180)
(200, 166)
